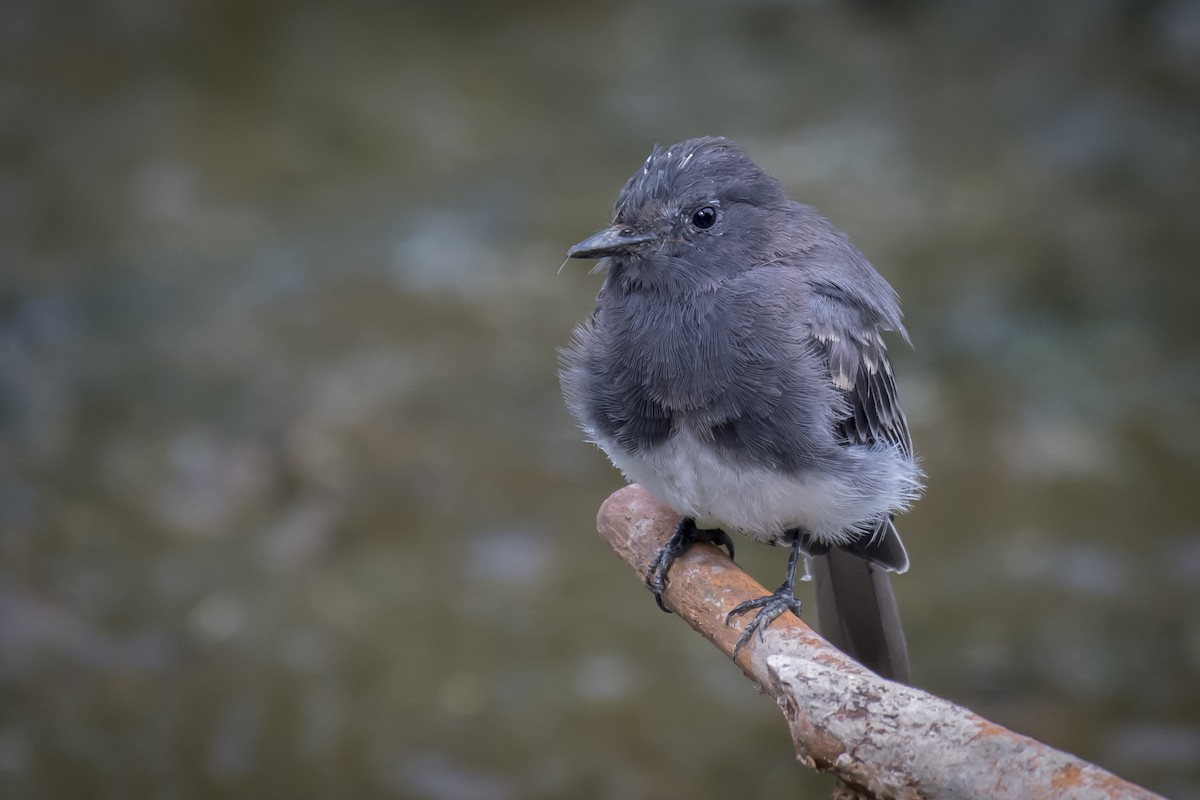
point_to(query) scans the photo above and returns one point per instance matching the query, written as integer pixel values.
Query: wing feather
(860, 370)
(850, 338)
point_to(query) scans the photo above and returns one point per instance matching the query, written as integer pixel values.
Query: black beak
(608, 242)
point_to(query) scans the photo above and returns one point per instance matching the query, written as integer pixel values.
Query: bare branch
(884, 739)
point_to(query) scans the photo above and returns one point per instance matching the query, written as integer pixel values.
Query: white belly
(762, 504)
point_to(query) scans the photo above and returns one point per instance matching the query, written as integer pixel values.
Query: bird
(735, 367)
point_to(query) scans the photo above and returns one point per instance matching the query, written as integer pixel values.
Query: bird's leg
(772, 605)
(685, 535)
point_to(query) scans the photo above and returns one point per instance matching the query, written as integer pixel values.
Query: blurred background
(289, 502)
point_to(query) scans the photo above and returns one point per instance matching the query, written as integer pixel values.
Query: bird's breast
(762, 503)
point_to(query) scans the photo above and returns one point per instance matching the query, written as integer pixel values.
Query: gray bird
(735, 367)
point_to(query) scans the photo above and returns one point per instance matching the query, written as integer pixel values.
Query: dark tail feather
(882, 547)
(858, 614)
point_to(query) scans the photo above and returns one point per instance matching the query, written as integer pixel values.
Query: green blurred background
(289, 503)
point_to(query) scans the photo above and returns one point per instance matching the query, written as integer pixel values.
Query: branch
(884, 739)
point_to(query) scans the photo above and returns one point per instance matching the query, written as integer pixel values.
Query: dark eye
(705, 217)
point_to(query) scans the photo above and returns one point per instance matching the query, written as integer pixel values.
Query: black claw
(658, 598)
(685, 535)
(772, 605)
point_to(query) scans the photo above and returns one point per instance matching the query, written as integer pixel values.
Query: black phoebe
(735, 368)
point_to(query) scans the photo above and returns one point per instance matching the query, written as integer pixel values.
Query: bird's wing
(849, 337)
(849, 334)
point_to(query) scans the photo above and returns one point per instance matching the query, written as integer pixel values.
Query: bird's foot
(685, 535)
(770, 606)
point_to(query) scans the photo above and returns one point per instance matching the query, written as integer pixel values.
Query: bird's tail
(857, 612)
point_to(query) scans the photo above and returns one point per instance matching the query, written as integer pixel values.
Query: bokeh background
(289, 503)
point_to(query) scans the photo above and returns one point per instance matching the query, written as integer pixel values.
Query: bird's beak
(609, 242)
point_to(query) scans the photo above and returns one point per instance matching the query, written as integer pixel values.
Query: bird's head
(692, 214)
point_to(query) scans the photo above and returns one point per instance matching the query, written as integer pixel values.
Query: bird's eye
(705, 217)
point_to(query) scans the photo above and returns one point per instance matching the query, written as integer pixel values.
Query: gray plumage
(737, 369)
